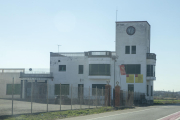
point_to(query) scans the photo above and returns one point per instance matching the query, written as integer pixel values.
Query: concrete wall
(7, 78)
(141, 39)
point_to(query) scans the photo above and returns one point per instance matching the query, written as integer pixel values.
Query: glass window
(99, 69)
(133, 49)
(133, 69)
(151, 70)
(147, 90)
(16, 90)
(131, 87)
(151, 90)
(64, 89)
(99, 89)
(127, 49)
(62, 67)
(80, 69)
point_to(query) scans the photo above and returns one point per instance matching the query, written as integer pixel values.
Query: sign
(138, 78)
(122, 70)
(130, 78)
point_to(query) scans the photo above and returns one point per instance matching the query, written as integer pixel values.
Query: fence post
(31, 94)
(47, 95)
(71, 97)
(96, 96)
(102, 96)
(80, 95)
(89, 96)
(60, 96)
(12, 94)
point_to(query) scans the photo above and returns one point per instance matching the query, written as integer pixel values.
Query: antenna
(58, 48)
(116, 13)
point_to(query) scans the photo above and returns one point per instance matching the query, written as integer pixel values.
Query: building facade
(97, 68)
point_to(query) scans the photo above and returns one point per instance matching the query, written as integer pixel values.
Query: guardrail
(151, 56)
(34, 75)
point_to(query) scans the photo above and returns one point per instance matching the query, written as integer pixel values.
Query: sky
(31, 29)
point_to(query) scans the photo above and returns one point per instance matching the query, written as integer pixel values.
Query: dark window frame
(65, 91)
(99, 69)
(127, 49)
(16, 91)
(147, 90)
(99, 87)
(60, 68)
(133, 51)
(129, 67)
(150, 71)
(81, 69)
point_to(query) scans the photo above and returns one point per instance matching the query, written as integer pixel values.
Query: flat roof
(132, 22)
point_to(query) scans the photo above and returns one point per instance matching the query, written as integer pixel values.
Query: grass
(166, 101)
(60, 114)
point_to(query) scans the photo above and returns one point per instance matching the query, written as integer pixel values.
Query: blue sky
(30, 30)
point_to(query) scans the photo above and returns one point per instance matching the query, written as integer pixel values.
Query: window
(133, 68)
(80, 69)
(64, 89)
(16, 90)
(127, 49)
(131, 87)
(62, 67)
(151, 90)
(99, 89)
(147, 90)
(99, 69)
(133, 49)
(151, 70)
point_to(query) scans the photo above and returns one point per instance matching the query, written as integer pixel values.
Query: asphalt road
(168, 112)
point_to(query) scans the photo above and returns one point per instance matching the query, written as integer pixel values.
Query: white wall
(7, 78)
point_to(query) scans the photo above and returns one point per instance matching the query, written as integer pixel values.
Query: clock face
(130, 30)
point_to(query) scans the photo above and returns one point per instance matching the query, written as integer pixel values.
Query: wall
(7, 78)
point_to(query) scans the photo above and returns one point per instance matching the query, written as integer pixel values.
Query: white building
(95, 68)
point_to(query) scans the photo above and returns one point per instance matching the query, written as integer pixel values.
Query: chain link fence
(36, 98)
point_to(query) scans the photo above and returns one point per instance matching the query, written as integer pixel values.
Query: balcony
(36, 75)
(150, 78)
(151, 56)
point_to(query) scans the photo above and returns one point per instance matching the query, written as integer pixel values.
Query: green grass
(60, 114)
(166, 101)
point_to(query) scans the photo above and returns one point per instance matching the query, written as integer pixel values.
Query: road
(168, 112)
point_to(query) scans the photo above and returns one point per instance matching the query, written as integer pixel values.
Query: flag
(138, 78)
(130, 78)
(122, 70)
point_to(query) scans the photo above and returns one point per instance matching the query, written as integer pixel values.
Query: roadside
(61, 114)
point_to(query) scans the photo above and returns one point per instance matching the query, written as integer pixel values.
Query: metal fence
(37, 98)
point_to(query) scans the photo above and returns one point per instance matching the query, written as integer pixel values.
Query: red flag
(122, 70)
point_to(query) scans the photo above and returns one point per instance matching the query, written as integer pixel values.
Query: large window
(16, 90)
(133, 49)
(64, 89)
(99, 89)
(127, 49)
(151, 70)
(133, 68)
(80, 69)
(62, 67)
(99, 69)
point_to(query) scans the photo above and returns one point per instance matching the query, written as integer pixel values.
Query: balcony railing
(34, 75)
(151, 56)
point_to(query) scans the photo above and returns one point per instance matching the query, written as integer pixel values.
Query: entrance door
(80, 90)
(131, 87)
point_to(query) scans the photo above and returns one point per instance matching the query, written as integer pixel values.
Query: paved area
(139, 113)
(22, 107)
